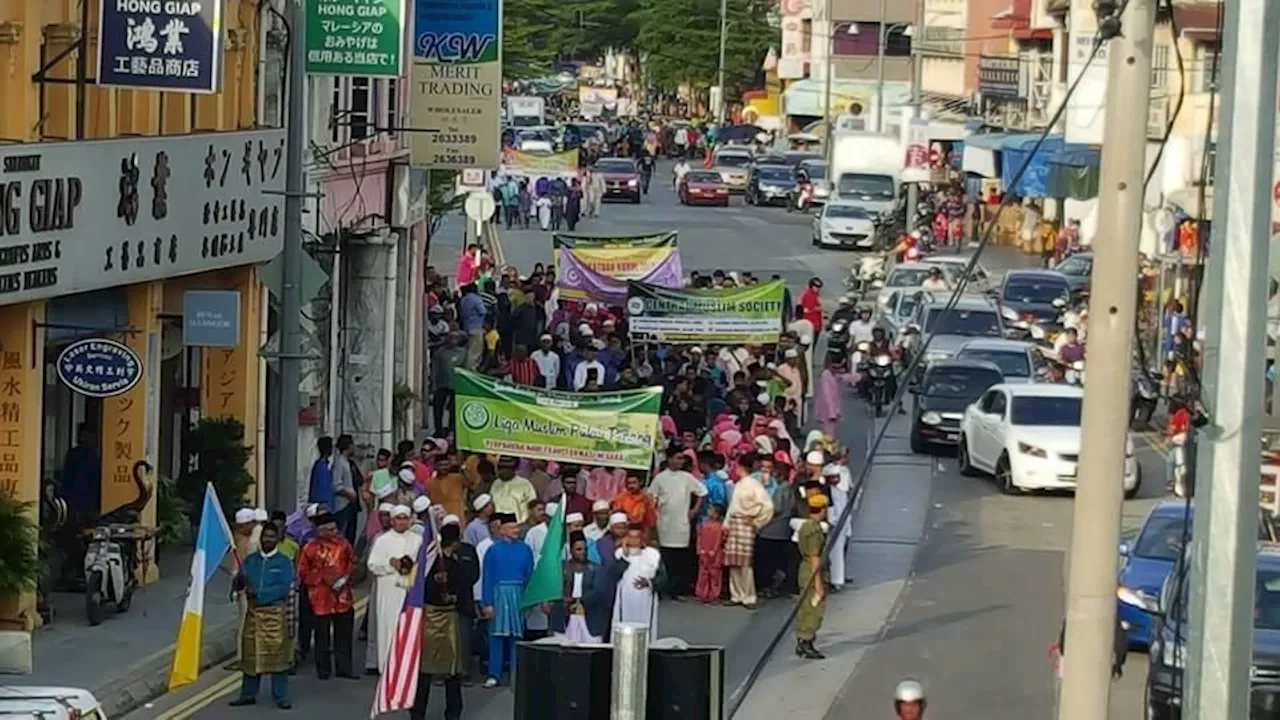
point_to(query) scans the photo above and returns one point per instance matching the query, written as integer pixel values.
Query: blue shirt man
(471, 312)
(321, 475)
(266, 580)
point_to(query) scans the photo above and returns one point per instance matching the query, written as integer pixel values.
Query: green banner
(620, 242)
(617, 429)
(751, 314)
(355, 37)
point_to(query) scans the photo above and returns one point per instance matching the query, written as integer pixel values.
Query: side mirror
(1125, 549)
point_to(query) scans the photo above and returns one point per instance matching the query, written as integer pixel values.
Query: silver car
(950, 329)
(980, 279)
(733, 164)
(1019, 361)
(912, 274)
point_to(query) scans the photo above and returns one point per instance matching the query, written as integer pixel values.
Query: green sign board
(618, 429)
(356, 37)
(751, 314)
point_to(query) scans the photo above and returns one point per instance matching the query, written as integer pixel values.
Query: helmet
(915, 235)
(908, 691)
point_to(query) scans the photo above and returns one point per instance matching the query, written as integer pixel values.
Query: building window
(353, 115)
(1209, 69)
(392, 122)
(1160, 66)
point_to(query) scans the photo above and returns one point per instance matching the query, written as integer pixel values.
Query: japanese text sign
(84, 216)
(173, 45)
(457, 84)
(355, 37)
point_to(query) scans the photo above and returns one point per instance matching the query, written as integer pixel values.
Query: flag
(212, 542)
(398, 686)
(547, 582)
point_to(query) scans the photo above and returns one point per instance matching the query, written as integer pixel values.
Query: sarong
(265, 646)
(508, 616)
(440, 653)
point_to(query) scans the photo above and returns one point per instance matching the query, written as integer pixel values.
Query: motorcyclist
(846, 312)
(646, 169)
(908, 247)
(803, 192)
(677, 174)
(863, 328)
(934, 281)
(908, 700)
(879, 344)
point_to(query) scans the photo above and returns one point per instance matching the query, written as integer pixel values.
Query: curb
(148, 679)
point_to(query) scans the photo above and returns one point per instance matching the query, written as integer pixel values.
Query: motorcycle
(115, 544)
(803, 198)
(1143, 399)
(879, 371)
(1074, 374)
(838, 340)
(867, 276)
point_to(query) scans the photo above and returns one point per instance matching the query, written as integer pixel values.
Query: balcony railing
(942, 41)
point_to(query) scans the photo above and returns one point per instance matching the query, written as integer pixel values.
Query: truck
(526, 111)
(866, 170)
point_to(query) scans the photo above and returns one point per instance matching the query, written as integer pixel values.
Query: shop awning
(1016, 152)
(979, 155)
(807, 97)
(1073, 172)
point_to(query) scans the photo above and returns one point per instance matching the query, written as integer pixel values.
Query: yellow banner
(516, 162)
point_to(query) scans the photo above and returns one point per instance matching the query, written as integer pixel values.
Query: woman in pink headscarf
(827, 405)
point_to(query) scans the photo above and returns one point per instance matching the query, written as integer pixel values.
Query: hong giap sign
(172, 45)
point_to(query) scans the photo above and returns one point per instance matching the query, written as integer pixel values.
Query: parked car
(1028, 437)
(1019, 361)
(621, 178)
(769, 184)
(948, 387)
(1150, 555)
(843, 225)
(1078, 269)
(703, 187)
(1028, 297)
(733, 162)
(1168, 651)
(49, 703)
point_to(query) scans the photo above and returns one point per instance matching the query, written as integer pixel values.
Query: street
(967, 605)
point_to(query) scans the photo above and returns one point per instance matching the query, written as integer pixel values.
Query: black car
(770, 184)
(947, 388)
(1031, 296)
(1169, 641)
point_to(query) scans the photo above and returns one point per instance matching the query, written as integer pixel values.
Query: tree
(537, 33)
(221, 458)
(681, 41)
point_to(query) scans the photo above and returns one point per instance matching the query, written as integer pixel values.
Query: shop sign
(915, 165)
(173, 45)
(998, 77)
(456, 96)
(211, 318)
(355, 37)
(99, 368)
(84, 216)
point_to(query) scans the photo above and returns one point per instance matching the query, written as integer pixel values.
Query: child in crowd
(710, 556)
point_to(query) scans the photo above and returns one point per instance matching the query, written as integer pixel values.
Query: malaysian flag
(398, 685)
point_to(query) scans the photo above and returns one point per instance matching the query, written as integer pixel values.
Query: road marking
(750, 220)
(225, 686)
(1154, 440)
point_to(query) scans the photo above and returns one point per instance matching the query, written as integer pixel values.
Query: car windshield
(817, 171)
(846, 211)
(776, 175)
(1013, 363)
(1266, 600)
(734, 160)
(1046, 411)
(1161, 539)
(873, 186)
(535, 136)
(704, 177)
(797, 158)
(959, 383)
(907, 276)
(1038, 290)
(615, 166)
(972, 323)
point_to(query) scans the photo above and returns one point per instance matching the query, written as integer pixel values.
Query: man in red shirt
(326, 566)
(811, 302)
(521, 369)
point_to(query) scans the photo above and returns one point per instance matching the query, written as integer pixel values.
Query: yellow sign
(632, 263)
(516, 162)
(456, 111)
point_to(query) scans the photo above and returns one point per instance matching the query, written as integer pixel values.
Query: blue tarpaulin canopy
(988, 141)
(1015, 152)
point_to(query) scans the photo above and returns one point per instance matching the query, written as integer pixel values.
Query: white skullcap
(244, 516)
(599, 505)
(260, 515)
(406, 474)
(421, 503)
(386, 508)
(763, 398)
(574, 517)
(592, 306)
(815, 457)
(696, 349)
(585, 330)
(551, 509)
(385, 491)
(791, 353)
(450, 519)
(312, 510)
(764, 443)
(479, 503)
(619, 518)
(545, 336)
(401, 511)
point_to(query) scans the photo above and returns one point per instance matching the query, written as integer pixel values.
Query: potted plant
(220, 457)
(20, 566)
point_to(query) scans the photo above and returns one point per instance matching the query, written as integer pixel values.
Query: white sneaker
(491, 682)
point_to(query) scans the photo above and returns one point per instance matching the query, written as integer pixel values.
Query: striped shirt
(522, 371)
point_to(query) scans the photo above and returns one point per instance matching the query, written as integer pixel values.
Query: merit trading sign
(173, 45)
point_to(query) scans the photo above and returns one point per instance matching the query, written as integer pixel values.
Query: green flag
(547, 582)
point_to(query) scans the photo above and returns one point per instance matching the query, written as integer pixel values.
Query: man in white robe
(391, 560)
(371, 629)
(637, 594)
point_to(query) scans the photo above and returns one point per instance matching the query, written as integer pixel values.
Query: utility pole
(1091, 584)
(283, 493)
(724, 40)
(1224, 548)
(881, 40)
(917, 79)
(829, 142)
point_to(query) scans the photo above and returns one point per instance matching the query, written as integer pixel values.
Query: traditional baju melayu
(508, 564)
(390, 588)
(639, 604)
(265, 645)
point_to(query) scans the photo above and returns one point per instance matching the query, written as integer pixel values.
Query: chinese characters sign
(457, 84)
(355, 37)
(83, 216)
(171, 45)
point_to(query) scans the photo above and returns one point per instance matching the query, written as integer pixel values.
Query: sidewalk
(125, 661)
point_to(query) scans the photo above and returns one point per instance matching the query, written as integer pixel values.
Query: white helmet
(908, 691)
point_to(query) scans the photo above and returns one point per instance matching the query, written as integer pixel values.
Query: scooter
(1143, 399)
(867, 276)
(879, 370)
(111, 557)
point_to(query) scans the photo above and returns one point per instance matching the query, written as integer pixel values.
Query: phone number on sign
(452, 159)
(455, 139)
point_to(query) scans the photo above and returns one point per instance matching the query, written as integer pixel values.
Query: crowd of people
(547, 202)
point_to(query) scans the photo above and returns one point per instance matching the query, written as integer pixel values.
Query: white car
(1028, 437)
(49, 703)
(846, 226)
(911, 274)
(979, 279)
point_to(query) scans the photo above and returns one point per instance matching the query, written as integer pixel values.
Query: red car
(621, 178)
(703, 187)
